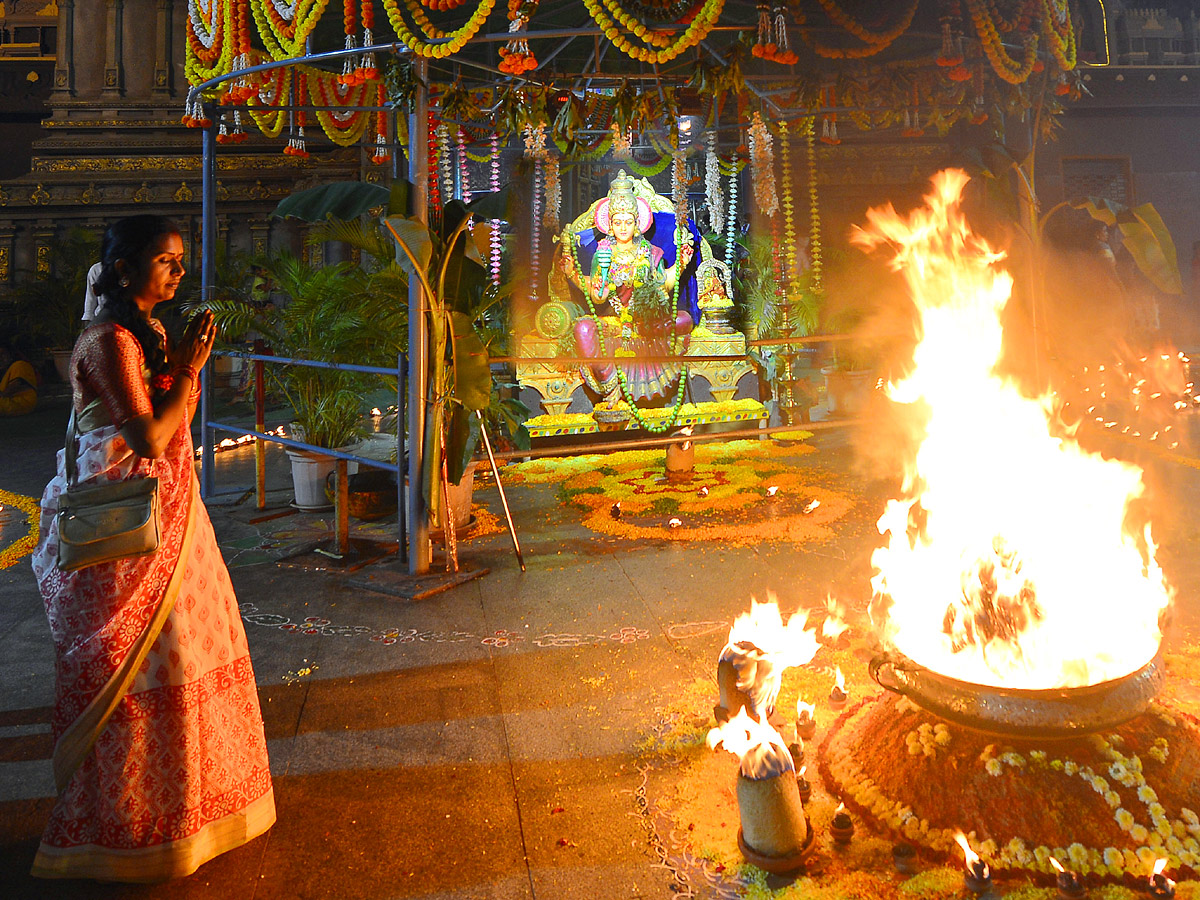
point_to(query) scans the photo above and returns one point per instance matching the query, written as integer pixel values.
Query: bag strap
(69, 446)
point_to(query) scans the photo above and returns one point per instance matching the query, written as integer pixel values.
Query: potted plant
(49, 306)
(341, 313)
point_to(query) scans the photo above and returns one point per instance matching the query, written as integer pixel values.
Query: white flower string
(712, 185)
(762, 160)
(445, 163)
(814, 211)
(553, 192)
(495, 241)
(464, 174)
(731, 216)
(534, 262)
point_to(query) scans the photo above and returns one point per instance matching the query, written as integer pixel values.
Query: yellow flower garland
(277, 41)
(1004, 65)
(453, 41)
(1059, 39)
(695, 32)
(24, 545)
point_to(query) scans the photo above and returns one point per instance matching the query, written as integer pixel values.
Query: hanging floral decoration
(712, 185)
(829, 133)
(495, 239)
(553, 195)
(731, 216)
(515, 57)
(814, 214)
(622, 147)
(349, 63)
(464, 172)
(445, 160)
(535, 239)
(436, 158)
(382, 154)
(792, 269)
(639, 42)
(762, 166)
(433, 42)
(679, 189)
(871, 41)
(772, 42)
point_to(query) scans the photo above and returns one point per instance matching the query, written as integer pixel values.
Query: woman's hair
(128, 239)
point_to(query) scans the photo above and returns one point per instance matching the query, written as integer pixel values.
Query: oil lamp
(802, 785)
(904, 858)
(841, 828)
(977, 875)
(1161, 887)
(1070, 885)
(796, 749)
(806, 722)
(837, 693)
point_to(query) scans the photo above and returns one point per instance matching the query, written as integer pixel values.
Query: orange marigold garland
(1005, 66)
(873, 42)
(653, 49)
(349, 21)
(295, 145)
(382, 154)
(368, 69)
(433, 42)
(284, 27)
(515, 57)
(1059, 34)
(772, 40)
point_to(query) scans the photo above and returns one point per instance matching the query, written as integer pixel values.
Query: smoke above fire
(1010, 557)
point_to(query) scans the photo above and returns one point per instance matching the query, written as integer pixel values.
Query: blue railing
(208, 426)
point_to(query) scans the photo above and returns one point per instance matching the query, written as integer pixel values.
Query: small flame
(805, 710)
(772, 490)
(686, 432)
(840, 809)
(803, 769)
(1057, 865)
(375, 411)
(703, 492)
(674, 522)
(835, 624)
(758, 746)
(810, 506)
(839, 681)
(761, 646)
(1159, 865)
(975, 865)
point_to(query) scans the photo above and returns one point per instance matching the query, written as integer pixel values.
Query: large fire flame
(1008, 560)
(761, 646)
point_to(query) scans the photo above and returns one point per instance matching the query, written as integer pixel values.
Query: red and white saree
(160, 757)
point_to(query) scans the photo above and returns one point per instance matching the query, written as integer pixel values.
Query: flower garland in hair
(553, 194)
(762, 160)
(814, 212)
(622, 147)
(464, 173)
(515, 57)
(494, 242)
(712, 185)
(445, 163)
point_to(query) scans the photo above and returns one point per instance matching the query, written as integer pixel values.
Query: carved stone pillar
(7, 236)
(64, 67)
(114, 50)
(43, 237)
(163, 50)
(260, 230)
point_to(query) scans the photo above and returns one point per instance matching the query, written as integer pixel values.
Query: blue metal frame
(209, 425)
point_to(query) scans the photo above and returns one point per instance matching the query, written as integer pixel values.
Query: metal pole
(260, 424)
(401, 418)
(208, 249)
(512, 531)
(420, 552)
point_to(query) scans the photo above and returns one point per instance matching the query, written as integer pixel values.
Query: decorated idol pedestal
(629, 280)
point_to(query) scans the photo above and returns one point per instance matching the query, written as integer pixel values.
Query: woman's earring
(124, 282)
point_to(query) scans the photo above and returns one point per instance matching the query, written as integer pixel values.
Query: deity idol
(633, 297)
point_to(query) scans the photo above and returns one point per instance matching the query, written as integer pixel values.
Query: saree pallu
(160, 757)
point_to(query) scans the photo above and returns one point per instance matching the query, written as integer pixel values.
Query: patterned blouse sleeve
(113, 367)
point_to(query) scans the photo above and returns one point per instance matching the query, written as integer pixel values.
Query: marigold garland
(792, 269)
(515, 57)
(814, 213)
(1005, 66)
(23, 545)
(695, 32)
(284, 37)
(873, 43)
(712, 185)
(435, 44)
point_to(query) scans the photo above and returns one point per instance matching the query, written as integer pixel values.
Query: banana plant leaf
(1145, 237)
(338, 200)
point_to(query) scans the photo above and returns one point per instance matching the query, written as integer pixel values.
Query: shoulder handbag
(107, 521)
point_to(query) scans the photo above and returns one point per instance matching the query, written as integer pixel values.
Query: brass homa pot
(1020, 712)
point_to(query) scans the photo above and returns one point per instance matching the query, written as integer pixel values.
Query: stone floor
(481, 742)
